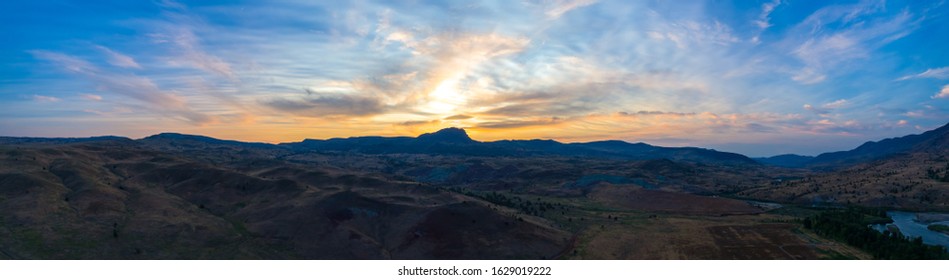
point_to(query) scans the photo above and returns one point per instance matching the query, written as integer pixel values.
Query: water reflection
(907, 223)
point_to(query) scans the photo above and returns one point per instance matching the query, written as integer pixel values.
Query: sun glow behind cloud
(446, 98)
(752, 77)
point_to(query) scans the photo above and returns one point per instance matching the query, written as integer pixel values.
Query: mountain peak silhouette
(447, 135)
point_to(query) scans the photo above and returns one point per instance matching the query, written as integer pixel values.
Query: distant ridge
(448, 141)
(178, 138)
(930, 141)
(786, 160)
(455, 141)
(933, 141)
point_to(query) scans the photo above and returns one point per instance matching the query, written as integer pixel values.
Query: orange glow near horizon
(644, 126)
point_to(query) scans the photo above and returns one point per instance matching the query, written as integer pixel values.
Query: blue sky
(754, 77)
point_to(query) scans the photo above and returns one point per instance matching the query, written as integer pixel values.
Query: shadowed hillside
(118, 200)
(441, 195)
(906, 172)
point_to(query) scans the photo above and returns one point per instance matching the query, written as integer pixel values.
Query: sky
(755, 77)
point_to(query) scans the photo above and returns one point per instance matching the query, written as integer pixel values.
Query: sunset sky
(755, 77)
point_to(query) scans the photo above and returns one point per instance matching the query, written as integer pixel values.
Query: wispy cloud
(419, 123)
(656, 113)
(459, 117)
(118, 59)
(135, 87)
(825, 109)
(170, 4)
(808, 76)
(92, 97)
(944, 93)
(328, 106)
(828, 126)
(833, 35)
(687, 33)
(43, 98)
(927, 112)
(932, 73)
(68, 63)
(836, 104)
(177, 28)
(514, 123)
(816, 110)
(559, 7)
(764, 19)
(190, 53)
(763, 22)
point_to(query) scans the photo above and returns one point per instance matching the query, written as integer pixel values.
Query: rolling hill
(121, 200)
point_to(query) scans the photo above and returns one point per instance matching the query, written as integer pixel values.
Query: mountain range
(440, 195)
(935, 141)
(455, 141)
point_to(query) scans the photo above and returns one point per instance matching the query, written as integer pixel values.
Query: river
(906, 222)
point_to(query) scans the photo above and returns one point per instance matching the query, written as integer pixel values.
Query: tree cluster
(852, 226)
